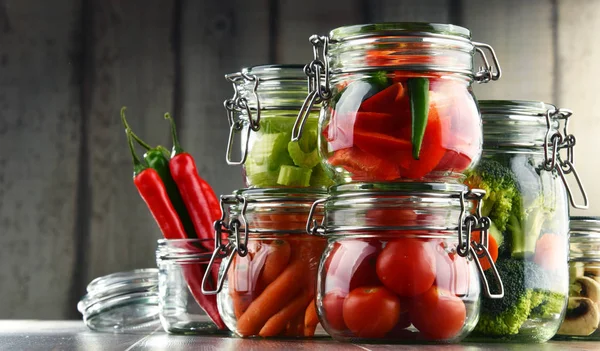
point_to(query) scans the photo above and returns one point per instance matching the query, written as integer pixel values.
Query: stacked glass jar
(268, 273)
(398, 129)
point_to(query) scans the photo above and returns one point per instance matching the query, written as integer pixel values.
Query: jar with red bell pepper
(401, 263)
(262, 113)
(268, 271)
(397, 103)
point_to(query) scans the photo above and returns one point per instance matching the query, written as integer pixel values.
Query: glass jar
(263, 111)
(397, 266)
(269, 267)
(397, 102)
(183, 308)
(124, 302)
(526, 200)
(582, 315)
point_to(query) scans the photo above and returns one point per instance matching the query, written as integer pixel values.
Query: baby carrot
(310, 319)
(277, 259)
(273, 299)
(295, 326)
(277, 323)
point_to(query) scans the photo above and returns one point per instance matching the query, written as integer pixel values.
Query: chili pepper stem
(138, 166)
(133, 135)
(177, 149)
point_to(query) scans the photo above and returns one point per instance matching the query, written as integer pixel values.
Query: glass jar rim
(280, 194)
(267, 72)
(525, 108)
(183, 249)
(584, 227)
(420, 29)
(401, 188)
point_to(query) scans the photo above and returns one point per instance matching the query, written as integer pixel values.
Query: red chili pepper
(198, 196)
(204, 209)
(153, 192)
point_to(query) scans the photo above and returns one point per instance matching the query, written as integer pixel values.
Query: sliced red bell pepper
(385, 101)
(364, 166)
(453, 161)
(382, 146)
(376, 122)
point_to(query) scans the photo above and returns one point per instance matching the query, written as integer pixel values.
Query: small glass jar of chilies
(269, 266)
(263, 111)
(524, 173)
(401, 262)
(397, 102)
(184, 309)
(583, 310)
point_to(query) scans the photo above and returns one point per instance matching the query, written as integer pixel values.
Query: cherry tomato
(333, 304)
(351, 263)
(407, 266)
(438, 314)
(371, 312)
(453, 271)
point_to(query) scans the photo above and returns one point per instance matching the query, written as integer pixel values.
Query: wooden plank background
(68, 209)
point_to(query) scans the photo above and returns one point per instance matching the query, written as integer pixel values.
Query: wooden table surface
(74, 335)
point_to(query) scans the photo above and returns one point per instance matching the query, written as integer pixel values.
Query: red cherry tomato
(407, 266)
(452, 271)
(333, 304)
(371, 312)
(351, 264)
(438, 314)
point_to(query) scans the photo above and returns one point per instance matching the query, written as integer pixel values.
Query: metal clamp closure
(312, 226)
(234, 107)
(558, 141)
(317, 72)
(237, 245)
(487, 72)
(467, 246)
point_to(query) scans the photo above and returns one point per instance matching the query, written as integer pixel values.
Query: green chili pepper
(418, 91)
(157, 158)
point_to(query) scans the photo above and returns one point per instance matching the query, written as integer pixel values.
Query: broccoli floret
(507, 322)
(521, 280)
(524, 226)
(500, 187)
(551, 305)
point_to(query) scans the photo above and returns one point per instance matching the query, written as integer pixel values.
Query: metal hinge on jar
(487, 72)
(235, 107)
(317, 72)
(553, 159)
(227, 251)
(477, 222)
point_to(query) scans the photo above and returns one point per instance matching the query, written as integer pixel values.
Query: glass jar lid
(271, 210)
(120, 302)
(406, 46)
(359, 207)
(519, 123)
(584, 241)
(268, 87)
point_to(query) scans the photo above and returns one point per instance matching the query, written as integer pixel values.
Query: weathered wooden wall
(68, 209)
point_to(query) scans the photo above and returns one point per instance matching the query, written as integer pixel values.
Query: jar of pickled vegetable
(401, 262)
(583, 310)
(269, 267)
(397, 102)
(524, 175)
(263, 110)
(183, 308)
